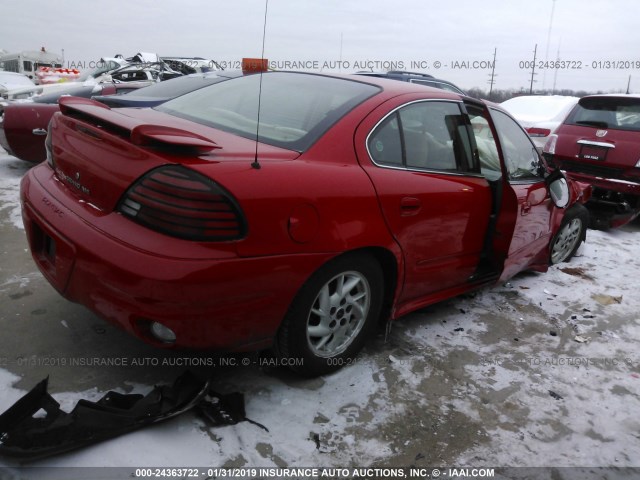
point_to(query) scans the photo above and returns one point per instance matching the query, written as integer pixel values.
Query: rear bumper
(604, 220)
(211, 299)
(609, 178)
(621, 186)
(614, 201)
(611, 209)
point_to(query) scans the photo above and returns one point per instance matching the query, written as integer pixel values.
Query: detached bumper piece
(218, 410)
(35, 426)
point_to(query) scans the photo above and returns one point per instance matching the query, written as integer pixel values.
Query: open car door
(521, 223)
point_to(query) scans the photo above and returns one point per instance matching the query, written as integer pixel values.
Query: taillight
(550, 146)
(538, 132)
(184, 204)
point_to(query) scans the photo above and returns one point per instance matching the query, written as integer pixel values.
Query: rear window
(295, 108)
(178, 86)
(617, 113)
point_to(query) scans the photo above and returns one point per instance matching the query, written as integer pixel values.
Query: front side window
(485, 143)
(430, 135)
(520, 155)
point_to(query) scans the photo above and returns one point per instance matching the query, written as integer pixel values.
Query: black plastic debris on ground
(36, 427)
(228, 409)
(555, 395)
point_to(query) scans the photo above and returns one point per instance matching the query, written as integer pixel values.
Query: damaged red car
(599, 144)
(295, 219)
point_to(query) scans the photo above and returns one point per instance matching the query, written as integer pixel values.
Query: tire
(572, 232)
(326, 324)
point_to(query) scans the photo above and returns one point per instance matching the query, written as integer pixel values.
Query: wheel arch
(391, 272)
(577, 210)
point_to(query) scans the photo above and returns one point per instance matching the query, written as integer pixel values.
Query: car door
(25, 128)
(523, 226)
(434, 199)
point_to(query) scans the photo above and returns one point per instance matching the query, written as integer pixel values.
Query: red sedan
(23, 125)
(295, 219)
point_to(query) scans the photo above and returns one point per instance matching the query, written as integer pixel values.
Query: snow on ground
(11, 172)
(541, 371)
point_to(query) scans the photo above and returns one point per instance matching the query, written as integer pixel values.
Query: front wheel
(572, 232)
(332, 315)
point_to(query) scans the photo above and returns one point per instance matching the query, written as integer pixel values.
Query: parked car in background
(188, 65)
(540, 115)
(11, 81)
(109, 70)
(599, 143)
(353, 199)
(417, 78)
(164, 91)
(156, 71)
(23, 126)
(88, 77)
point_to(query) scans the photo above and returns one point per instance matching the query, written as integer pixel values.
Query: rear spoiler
(143, 134)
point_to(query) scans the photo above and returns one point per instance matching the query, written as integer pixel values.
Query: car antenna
(255, 163)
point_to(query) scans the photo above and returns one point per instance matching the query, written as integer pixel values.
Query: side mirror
(558, 189)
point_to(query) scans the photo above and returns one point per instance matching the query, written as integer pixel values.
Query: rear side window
(430, 135)
(295, 108)
(618, 113)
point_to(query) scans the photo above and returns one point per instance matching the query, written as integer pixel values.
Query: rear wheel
(332, 315)
(572, 232)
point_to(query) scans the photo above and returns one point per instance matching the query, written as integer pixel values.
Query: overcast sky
(599, 39)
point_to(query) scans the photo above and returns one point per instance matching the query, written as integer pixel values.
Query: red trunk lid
(99, 152)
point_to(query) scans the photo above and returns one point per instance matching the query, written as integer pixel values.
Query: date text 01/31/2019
(580, 65)
(314, 472)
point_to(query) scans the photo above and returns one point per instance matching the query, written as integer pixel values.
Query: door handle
(409, 206)
(526, 208)
(39, 131)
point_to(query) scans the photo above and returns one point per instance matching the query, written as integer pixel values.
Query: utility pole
(628, 84)
(555, 72)
(546, 54)
(493, 73)
(533, 69)
(340, 64)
